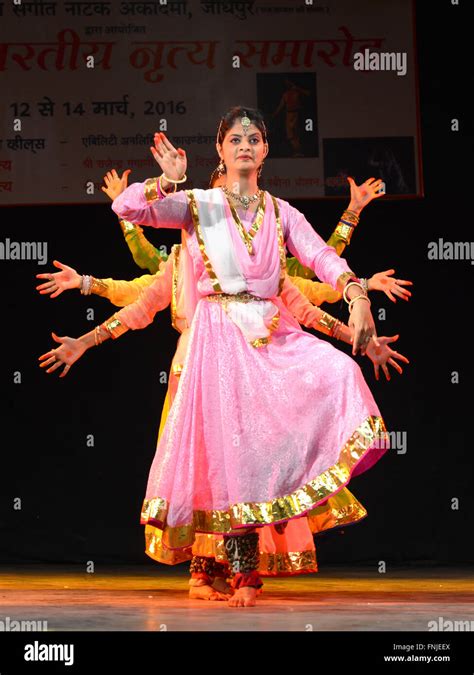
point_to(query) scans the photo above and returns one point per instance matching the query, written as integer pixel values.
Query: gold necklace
(248, 236)
(244, 200)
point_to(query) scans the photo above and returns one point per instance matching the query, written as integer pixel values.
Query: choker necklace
(245, 200)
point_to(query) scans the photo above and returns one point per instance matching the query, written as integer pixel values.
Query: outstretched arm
(137, 315)
(311, 250)
(119, 292)
(314, 317)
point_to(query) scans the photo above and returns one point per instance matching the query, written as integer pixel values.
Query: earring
(260, 169)
(221, 168)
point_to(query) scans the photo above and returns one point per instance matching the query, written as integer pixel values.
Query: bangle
(337, 329)
(97, 336)
(350, 216)
(163, 189)
(85, 286)
(351, 283)
(365, 284)
(172, 180)
(358, 297)
(343, 279)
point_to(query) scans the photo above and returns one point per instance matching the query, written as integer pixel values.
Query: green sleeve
(337, 242)
(144, 253)
(295, 269)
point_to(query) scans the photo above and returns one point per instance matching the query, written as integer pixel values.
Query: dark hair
(228, 120)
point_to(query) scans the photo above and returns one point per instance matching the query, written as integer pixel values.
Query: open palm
(363, 194)
(172, 161)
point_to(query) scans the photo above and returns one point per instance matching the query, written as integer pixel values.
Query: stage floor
(153, 598)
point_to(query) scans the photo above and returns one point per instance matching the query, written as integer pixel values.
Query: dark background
(81, 503)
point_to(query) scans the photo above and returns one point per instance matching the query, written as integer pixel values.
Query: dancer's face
(242, 153)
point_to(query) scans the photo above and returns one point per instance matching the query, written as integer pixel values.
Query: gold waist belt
(224, 298)
(256, 324)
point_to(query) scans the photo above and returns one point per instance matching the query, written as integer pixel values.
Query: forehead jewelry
(245, 122)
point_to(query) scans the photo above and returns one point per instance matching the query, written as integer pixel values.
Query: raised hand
(115, 185)
(363, 194)
(382, 281)
(172, 162)
(69, 352)
(58, 282)
(384, 354)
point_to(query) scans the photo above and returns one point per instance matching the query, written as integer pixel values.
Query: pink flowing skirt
(258, 436)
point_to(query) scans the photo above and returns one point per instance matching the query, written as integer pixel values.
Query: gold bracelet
(172, 180)
(347, 286)
(98, 286)
(162, 188)
(115, 327)
(327, 324)
(358, 297)
(344, 231)
(350, 216)
(343, 279)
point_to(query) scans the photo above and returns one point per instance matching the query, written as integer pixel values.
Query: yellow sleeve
(305, 312)
(316, 292)
(123, 293)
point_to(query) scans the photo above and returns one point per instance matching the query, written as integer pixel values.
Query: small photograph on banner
(390, 158)
(289, 103)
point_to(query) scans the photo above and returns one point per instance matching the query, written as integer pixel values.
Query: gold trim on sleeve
(344, 232)
(326, 323)
(151, 189)
(98, 286)
(343, 279)
(126, 226)
(115, 327)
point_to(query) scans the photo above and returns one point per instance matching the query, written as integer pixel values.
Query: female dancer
(340, 509)
(268, 421)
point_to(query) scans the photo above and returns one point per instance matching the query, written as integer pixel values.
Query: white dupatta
(255, 318)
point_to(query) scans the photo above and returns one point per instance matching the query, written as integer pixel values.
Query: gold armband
(151, 189)
(98, 286)
(126, 226)
(326, 324)
(344, 231)
(343, 279)
(115, 327)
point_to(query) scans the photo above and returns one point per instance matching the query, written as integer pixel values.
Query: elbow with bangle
(154, 185)
(346, 225)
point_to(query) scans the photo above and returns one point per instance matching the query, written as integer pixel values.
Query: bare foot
(244, 597)
(207, 593)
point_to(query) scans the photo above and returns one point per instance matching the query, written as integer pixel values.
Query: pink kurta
(255, 436)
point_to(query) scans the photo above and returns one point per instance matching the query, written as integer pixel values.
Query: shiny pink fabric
(248, 424)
